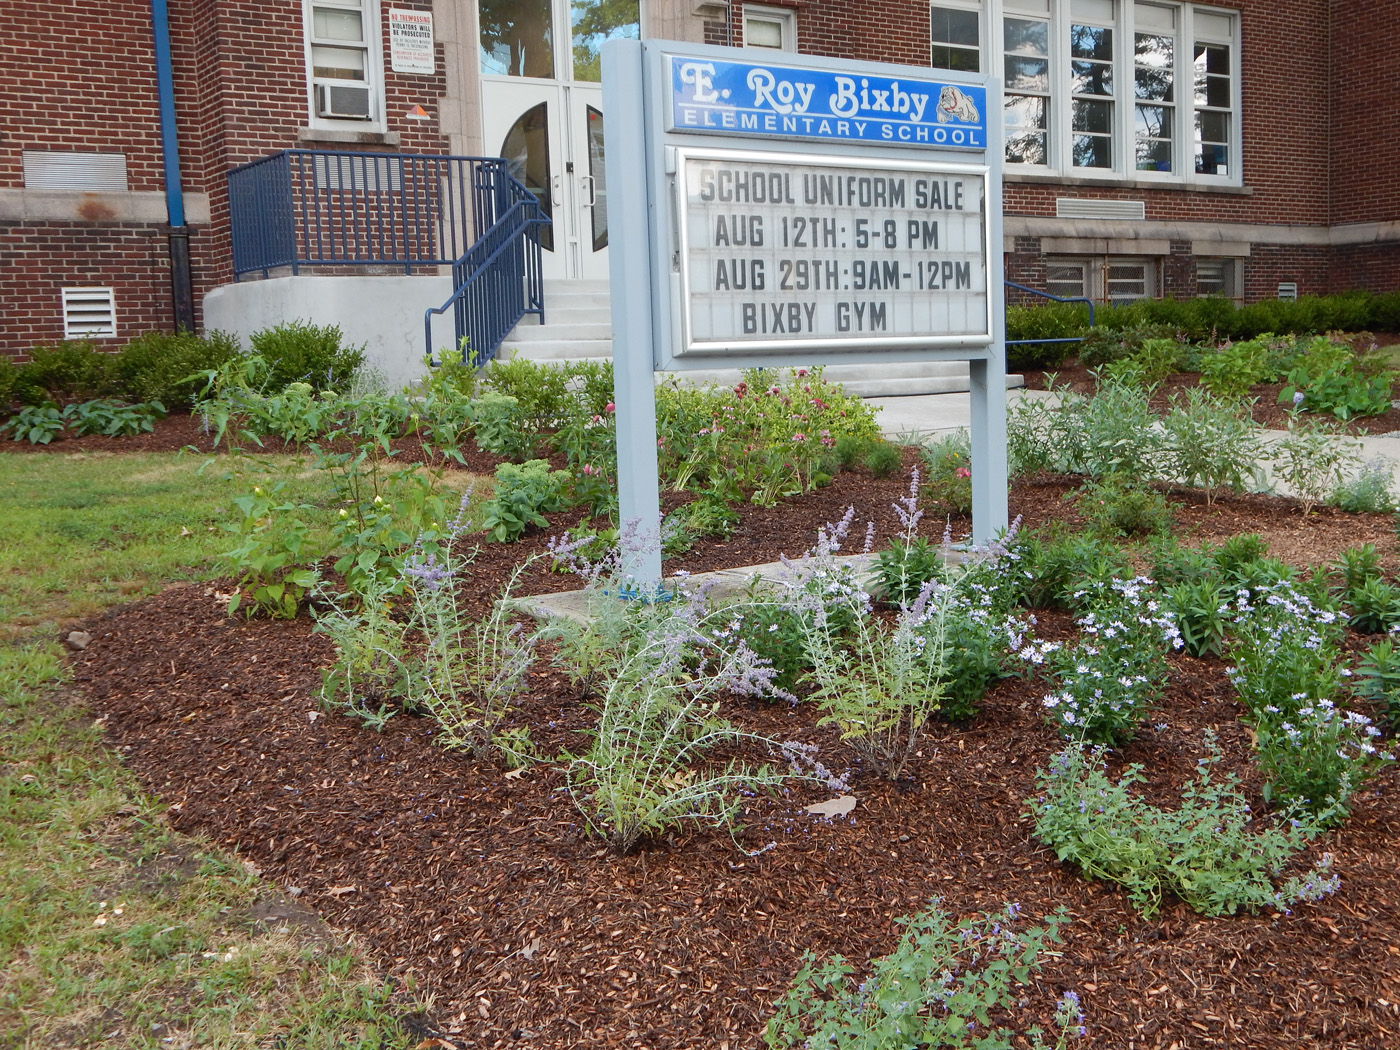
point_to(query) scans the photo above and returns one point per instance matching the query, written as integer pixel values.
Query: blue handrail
(300, 208)
(495, 283)
(1046, 295)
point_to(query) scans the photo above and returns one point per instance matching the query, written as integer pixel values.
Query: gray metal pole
(634, 381)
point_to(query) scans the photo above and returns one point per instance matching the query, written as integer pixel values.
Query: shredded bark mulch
(533, 934)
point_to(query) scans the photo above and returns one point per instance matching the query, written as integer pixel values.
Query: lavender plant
(1108, 680)
(1206, 851)
(938, 988)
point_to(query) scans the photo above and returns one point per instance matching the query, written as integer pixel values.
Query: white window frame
(962, 5)
(1124, 139)
(784, 17)
(374, 66)
(1231, 276)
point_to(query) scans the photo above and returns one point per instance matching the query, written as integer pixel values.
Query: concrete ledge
(21, 205)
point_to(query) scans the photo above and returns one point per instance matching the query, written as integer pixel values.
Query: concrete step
(581, 331)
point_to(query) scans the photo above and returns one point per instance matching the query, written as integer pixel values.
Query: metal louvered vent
(1088, 208)
(55, 170)
(360, 174)
(89, 312)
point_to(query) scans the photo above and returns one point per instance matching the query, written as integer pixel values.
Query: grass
(115, 930)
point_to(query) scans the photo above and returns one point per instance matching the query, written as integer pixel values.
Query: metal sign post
(801, 212)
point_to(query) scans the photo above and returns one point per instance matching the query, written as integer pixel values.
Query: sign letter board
(808, 211)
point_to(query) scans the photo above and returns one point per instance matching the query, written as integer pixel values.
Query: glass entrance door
(542, 109)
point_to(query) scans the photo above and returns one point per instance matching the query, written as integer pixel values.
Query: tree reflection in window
(517, 38)
(526, 153)
(595, 21)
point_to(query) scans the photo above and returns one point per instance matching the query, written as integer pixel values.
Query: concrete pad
(912, 420)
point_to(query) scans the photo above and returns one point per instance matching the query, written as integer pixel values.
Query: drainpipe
(181, 286)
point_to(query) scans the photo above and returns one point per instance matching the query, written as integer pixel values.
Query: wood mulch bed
(531, 934)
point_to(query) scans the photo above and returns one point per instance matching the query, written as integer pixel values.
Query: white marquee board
(797, 212)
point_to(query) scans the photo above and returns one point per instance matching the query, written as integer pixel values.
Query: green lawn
(113, 929)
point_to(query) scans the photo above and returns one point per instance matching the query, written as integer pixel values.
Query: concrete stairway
(578, 326)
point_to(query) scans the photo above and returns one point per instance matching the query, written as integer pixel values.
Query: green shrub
(1119, 505)
(65, 371)
(1205, 851)
(1328, 376)
(9, 377)
(524, 494)
(1370, 492)
(498, 426)
(1378, 680)
(883, 459)
(298, 351)
(1211, 442)
(1102, 346)
(948, 473)
(166, 366)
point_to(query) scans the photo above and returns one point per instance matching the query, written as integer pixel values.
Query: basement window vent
(94, 172)
(89, 312)
(1082, 208)
(1288, 291)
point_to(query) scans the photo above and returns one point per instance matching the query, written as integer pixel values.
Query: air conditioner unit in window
(343, 101)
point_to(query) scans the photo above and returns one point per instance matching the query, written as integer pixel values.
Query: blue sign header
(710, 95)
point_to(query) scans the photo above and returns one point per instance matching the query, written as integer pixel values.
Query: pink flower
(802, 372)
(610, 408)
(963, 472)
(797, 439)
(818, 404)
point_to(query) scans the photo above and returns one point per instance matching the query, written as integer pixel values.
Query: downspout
(181, 285)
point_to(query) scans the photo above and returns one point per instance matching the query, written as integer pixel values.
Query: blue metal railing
(1046, 295)
(330, 208)
(497, 282)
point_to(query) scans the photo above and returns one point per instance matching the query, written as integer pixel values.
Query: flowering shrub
(949, 463)
(1205, 851)
(1318, 757)
(1286, 650)
(936, 989)
(1110, 678)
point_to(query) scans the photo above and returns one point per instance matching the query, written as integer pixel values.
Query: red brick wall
(1364, 93)
(1375, 268)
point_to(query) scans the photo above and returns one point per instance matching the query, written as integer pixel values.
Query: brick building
(1153, 148)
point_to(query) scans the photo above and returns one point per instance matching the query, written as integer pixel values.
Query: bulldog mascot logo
(954, 105)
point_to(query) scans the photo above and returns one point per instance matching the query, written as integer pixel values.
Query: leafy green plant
(1229, 373)
(1116, 505)
(948, 481)
(1205, 851)
(1370, 492)
(1202, 612)
(902, 568)
(1105, 345)
(1326, 373)
(523, 495)
(1286, 649)
(37, 424)
(274, 553)
(375, 665)
(63, 371)
(1374, 605)
(1356, 566)
(299, 351)
(1150, 363)
(1316, 757)
(1239, 552)
(1113, 432)
(938, 988)
(498, 425)
(1378, 681)
(883, 458)
(1212, 443)
(113, 418)
(1313, 459)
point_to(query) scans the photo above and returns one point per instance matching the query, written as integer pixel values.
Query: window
(956, 37)
(1109, 279)
(772, 28)
(343, 57)
(1104, 88)
(1218, 277)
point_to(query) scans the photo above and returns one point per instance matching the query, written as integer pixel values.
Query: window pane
(1154, 51)
(1217, 92)
(1126, 281)
(1065, 279)
(1217, 58)
(1026, 37)
(955, 27)
(595, 21)
(1213, 127)
(598, 170)
(958, 58)
(1025, 111)
(526, 152)
(1154, 121)
(338, 63)
(1091, 42)
(1154, 155)
(763, 32)
(1091, 78)
(1027, 74)
(516, 38)
(1212, 160)
(1026, 148)
(1092, 151)
(1154, 84)
(1093, 116)
(327, 23)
